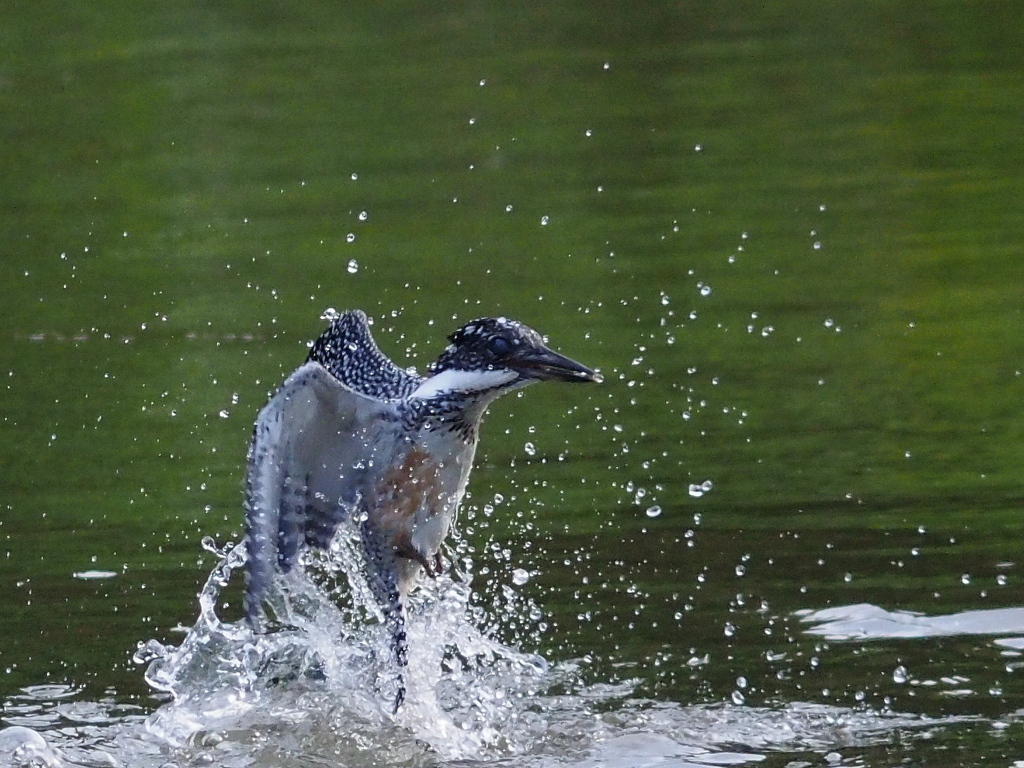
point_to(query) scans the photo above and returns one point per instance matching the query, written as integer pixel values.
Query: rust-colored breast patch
(406, 489)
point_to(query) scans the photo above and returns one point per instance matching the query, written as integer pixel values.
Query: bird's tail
(394, 621)
(383, 577)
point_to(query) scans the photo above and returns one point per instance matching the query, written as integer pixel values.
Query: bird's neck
(454, 401)
(443, 416)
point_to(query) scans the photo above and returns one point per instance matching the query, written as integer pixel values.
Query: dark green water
(788, 233)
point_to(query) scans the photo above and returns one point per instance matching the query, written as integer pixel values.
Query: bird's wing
(348, 351)
(313, 447)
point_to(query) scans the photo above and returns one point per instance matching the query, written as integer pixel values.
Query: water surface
(787, 235)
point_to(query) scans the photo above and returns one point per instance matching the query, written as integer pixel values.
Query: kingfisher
(352, 435)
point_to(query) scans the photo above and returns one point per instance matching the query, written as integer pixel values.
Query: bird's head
(496, 354)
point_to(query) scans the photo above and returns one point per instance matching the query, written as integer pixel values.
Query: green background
(186, 186)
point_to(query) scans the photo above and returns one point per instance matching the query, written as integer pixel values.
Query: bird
(350, 435)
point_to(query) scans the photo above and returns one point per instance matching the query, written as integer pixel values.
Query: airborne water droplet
(696, 491)
(653, 511)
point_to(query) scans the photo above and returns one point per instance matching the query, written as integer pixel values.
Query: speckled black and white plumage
(348, 351)
(352, 435)
(485, 344)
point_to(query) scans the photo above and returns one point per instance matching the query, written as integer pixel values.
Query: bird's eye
(498, 346)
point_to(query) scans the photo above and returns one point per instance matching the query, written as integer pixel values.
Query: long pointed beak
(546, 364)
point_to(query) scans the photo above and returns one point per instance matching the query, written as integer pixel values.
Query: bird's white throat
(469, 382)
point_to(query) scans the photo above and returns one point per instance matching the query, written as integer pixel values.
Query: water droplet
(965, 579)
(705, 290)
(520, 577)
(531, 449)
(653, 511)
(544, 221)
(350, 237)
(696, 491)
(224, 414)
(899, 675)
(330, 314)
(363, 215)
(353, 266)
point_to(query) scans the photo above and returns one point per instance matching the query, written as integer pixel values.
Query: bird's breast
(412, 504)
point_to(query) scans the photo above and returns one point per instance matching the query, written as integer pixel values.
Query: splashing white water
(319, 672)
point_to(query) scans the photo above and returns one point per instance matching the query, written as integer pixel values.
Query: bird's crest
(485, 344)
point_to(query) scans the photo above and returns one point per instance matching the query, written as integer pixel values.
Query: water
(787, 234)
(308, 693)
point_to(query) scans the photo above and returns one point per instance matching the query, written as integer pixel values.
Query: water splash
(317, 674)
